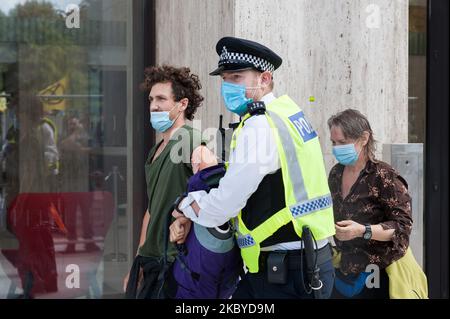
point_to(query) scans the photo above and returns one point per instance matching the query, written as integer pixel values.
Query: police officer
(275, 189)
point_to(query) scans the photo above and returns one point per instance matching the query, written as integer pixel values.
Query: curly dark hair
(184, 85)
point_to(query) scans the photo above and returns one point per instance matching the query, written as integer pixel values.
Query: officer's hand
(348, 230)
(179, 228)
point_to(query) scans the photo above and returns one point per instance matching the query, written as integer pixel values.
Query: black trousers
(256, 286)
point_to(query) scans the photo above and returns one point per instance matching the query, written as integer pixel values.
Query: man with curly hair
(174, 96)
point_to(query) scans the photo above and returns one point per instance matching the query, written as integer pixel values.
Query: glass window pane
(63, 113)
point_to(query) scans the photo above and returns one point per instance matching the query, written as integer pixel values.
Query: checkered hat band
(232, 57)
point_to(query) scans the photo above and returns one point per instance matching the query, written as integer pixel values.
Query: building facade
(84, 59)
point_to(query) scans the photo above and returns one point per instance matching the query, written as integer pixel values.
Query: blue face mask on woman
(346, 154)
(161, 121)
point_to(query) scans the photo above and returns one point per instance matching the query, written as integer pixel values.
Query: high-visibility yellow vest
(307, 195)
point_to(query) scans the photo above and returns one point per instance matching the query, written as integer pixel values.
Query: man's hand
(348, 230)
(179, 228)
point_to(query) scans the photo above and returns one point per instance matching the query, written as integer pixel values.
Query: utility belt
(277, 264)
(295, 259)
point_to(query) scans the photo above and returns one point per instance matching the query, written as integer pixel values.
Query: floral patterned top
(379, 196)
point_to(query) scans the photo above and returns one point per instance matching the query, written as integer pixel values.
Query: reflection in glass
(63, 108)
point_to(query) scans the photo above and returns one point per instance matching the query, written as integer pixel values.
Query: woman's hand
(348, 230)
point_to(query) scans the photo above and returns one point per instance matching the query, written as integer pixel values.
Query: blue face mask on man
(161, 121)
(234, 97)
(346, 154)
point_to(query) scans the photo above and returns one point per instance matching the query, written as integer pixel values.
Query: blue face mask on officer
(346, 154)
(235, 98)
(161, 121)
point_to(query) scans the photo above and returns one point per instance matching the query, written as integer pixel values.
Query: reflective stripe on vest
(307, 196)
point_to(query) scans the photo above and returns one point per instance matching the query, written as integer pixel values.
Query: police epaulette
(256, 108)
